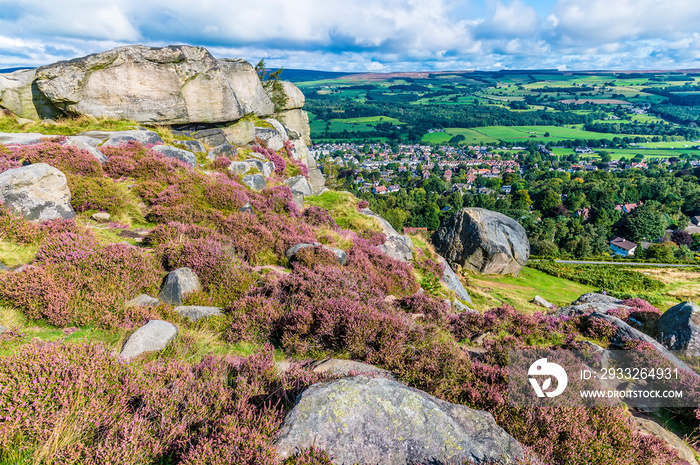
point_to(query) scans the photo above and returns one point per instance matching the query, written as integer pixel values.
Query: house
(394, 188)
(379, 190)
(506, 189)
(695, 220)
(627, 207)
(622, 246)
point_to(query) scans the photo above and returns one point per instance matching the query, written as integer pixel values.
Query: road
(581, 262)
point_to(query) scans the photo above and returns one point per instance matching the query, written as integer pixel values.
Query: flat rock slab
(36, 192)
(144, 137)
(12, 138)
(341, 367)
(151, 337)
(177, 284)
(196, 312)
(379, 421)
(176, 153)
(143, 300)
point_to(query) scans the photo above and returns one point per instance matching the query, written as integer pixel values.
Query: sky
(367, 35)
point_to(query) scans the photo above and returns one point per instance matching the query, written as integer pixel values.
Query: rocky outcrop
(376, 420)
(20, 94)
(36, 192)
(177, 284)
(679, 328)
(241, 133)
(169, 85)
(650, 428)
(297, 121)
(340, 255)
(483, 241)
(452, 282)
(255, 181)
(299, 184)
(397, 245)
(151, 337)
(117, 138)
(592, 302)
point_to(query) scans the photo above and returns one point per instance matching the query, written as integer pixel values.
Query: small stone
(177, 284)
(25, 121)
(223, 150)
(541, 302)
(195, 312)
(193, 145)
(151, 337)
(247, 208)
(255, 181)
(2, 329)
(101, 217)
(143, 300)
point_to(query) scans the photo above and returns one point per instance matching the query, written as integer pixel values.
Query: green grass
(13, 254)
(556, 133)
(67, 126)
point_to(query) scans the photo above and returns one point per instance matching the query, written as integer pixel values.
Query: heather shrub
(15, 228)
(68, 159)
(599, 328)
(179, 232)
(100, 194)
(76, 280)
(644, 316)
(224, 194)
(221, 163)
(362, 204)
(385, 274)
(319, 217)
(431, 309)
(91, 408)
(312, 257)
(223, 276)
(133, 159)
(252, 318)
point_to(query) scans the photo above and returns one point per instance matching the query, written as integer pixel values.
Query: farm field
(556, 133)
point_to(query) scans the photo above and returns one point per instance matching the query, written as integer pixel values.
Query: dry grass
(12, 254)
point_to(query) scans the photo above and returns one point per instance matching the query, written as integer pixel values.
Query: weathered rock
(316, 180)
(279, 127)
(299, 184)
(20, 94)
(239, 167)
(245, 83)
(193, 145)
(240, 134)
(212, 137)
(101, 217)
(297, 121)
(170, 85)
(679, 328)
(295, 98)
(196, 312)
(79, 143)
(272, 138)
(651, 428)
(37, 192)
(265, 167)
(20, 138)
(483, 241)
(592, 302)
(298, 199)
(223, 150)
(627, 333)
(176, 153)
(177, 284)
(247, 208)
(339, 254)
(459, 307)
(4, 267)
(537, 300)
(396, 246)
(341, 367)
(143, 300)
(117, 138)
(255, 181)
(376, 420)
(451, 281)
(151, 337)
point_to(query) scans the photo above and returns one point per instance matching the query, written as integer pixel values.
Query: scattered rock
(255, 181)
(299, 184)
(151, 337)
(223, 150)
(193, 145)
(195, 312)
(212, 137)
(4, 267)
(265, 167)
(247, 208)
(396, 246)
(117, 138)
(541, 302)
(679, 327)
(339, 254)
(143, 300)
(483, 241)
(11, 138)
(101, 217)
(177, 284)
(37, 192)
(239, 167)
(459, 307)
(79, 143)
(451, 281)
(298, 198)
(591, 302)
(377, 420)
(651, 428)
(337, 366)
(627, 333)
(176, 153)
(279, 127)
(240, 134)
(24, 121)
(272, 138)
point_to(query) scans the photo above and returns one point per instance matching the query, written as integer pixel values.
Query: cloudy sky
(367, 35)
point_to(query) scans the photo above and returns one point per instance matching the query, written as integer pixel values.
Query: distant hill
(301, 75)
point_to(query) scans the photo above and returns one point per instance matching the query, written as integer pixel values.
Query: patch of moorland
(215, 395)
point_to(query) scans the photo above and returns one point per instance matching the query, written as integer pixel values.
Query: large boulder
(176, 153)
(650, 428)
(299, 184)
(177, 284)
(295, 98)
(396, 245)
(36, 192)
(20, 94)
(297, 123)
(117, 138)
(364, 420)
(240, 134)
(151, 337)
(255, 181)
(169, 85)
(21, 138)
(272, 138)
(483, 241)
(592, 302)
(679, 328)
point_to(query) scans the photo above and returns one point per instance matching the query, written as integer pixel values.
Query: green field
(556, 134)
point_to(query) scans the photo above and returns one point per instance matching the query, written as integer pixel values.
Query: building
(695, 220)
(622, 246)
